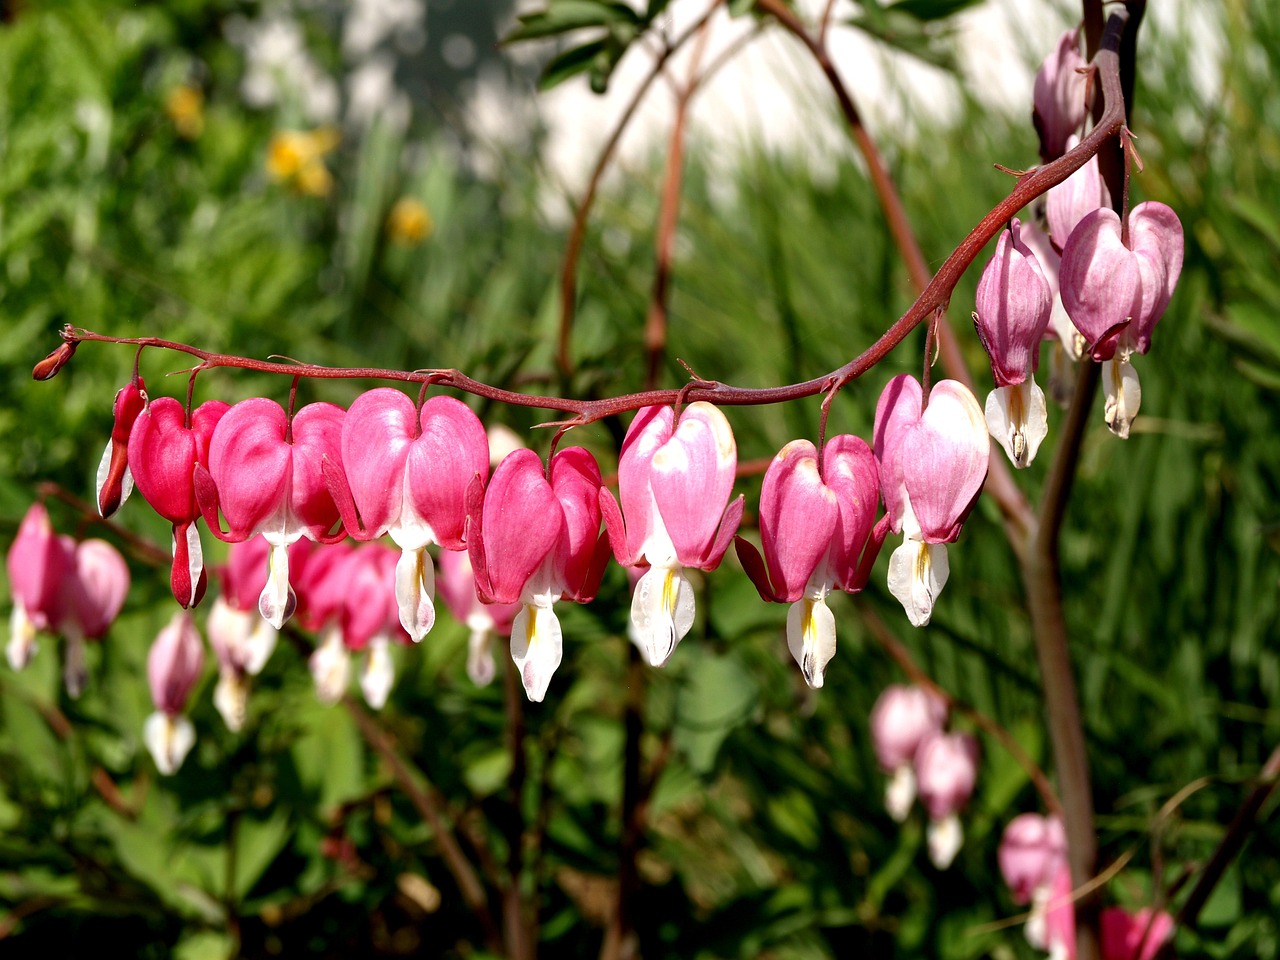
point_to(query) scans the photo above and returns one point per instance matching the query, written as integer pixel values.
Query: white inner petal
(1018, 419)
(231, 698)
(415, 591)
(75, 671)
(277, 601)
(900, 792)
(811, 638)
(330, 665)
(917, 573)
(169, 738)
(379, 673)
(661, 612)
(1123, 395)
(536, 648)
(480, 665)
(22, 644)
(945, 837)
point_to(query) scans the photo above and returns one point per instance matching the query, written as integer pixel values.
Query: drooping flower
(174, 665)
(674, 481)
(164, 449)
(903, 718)
(321, 590)
(946, 767)
(536, 540)
(408, 472)
(1136, 936)
(1059, 96)
(265, 474)
(456, 586)
(1033, 849)
(38, 563)
(1014, 302)
(1116, 290)
(92, 596)
(115, 481)
(818, 531)
(933, 462)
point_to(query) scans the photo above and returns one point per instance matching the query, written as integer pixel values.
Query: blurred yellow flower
(409, 222)
(296, 157)
(185, 107)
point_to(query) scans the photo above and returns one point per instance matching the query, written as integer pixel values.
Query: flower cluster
(1033, 861)
(912, 745)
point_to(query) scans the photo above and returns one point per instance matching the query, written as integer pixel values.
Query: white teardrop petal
(169, 739)
(378, 674)
(945, 837)
(416, 591)
(1123, 395)
(811, 638)
(536, 648)
(480, 666)
(231, 698)
(330, 666)
(917, 573)
(277, 601)
(900, 792)
(22, 644)
(661, 612)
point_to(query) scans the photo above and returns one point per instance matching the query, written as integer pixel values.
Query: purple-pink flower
(174, 665)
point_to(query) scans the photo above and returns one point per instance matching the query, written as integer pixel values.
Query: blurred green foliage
(767, 835)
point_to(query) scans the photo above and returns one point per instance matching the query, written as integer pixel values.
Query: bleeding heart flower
(265, 475)
(408, 473)
(1014, 303)
(932, 466)
(946, 772)
(1115, 293)
(903, 718)
(174, 665)
(38, 563)
(92, 596)
(1059, 96)
(1033, 849)
(164, 450)
(816, 527)
(674, 482)
(535, 541)
(1137, 936)
(115, 482)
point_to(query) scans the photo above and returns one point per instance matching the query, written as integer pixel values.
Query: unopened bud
(48, 368)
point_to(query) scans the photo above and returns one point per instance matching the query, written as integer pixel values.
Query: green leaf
(569, 64)
(258, 842)
(563, 16)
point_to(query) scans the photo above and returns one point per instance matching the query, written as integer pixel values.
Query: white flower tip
(900, 793)
(536, 648)
(811, 638)
(169, 738)
(1123, 395)
(480, 665)
(277, 601)
(22, 645)
(231, 698)
(1018, 419)
(330, 666)
(917, 573)
(75, 671)
(415, 592)
(661, 612)
(259, 646)
(378, 674)
(945, 837)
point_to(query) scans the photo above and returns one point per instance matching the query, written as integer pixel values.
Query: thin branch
(425, 802)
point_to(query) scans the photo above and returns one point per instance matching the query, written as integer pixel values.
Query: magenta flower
(456, 585)
(115, 482)
(165, 446)
(408, 473)
(536, 541)
(1115, 292)
(1032, 852)
(265, 474)
(903, 718)
(946, 772)
(674, 482)
(1059, 96)
(92, 596)
(38, 564)
(174, 665)
(817, 532)
(1137, 936)
(932, 466)
(1067, 343)
(1014, 302)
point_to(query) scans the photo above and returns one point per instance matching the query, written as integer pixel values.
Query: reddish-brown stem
(902, 657)
(578, 232)
(425, 801)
